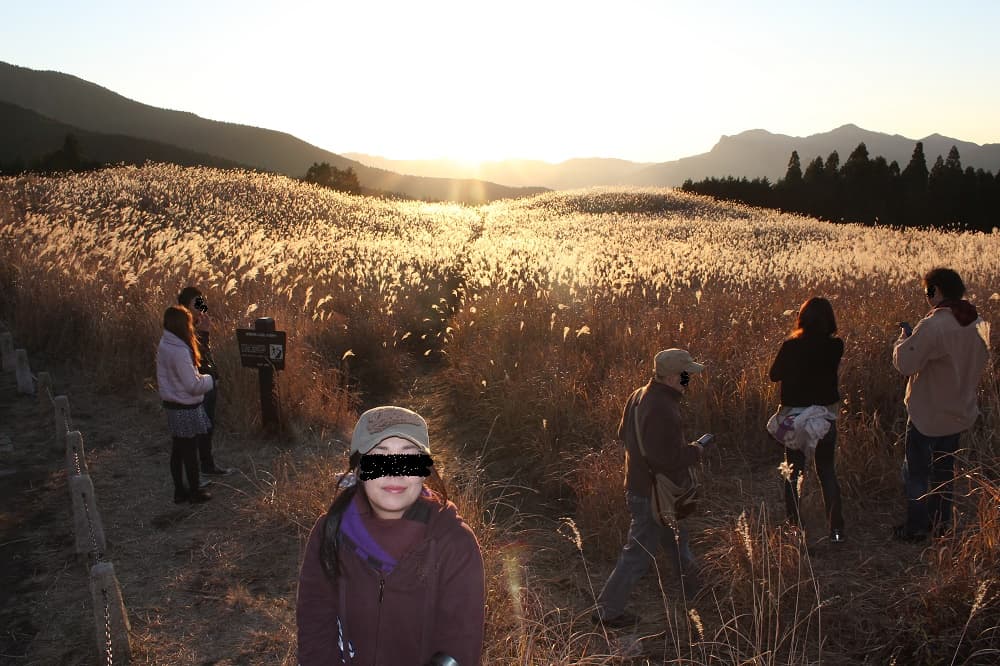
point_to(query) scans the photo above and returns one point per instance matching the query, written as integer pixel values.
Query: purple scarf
(358, 538)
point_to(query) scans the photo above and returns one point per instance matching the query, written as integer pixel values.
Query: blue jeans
(928, 473)
(645, 535)
(826, 470)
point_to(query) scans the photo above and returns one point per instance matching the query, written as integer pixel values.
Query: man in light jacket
(944, 358)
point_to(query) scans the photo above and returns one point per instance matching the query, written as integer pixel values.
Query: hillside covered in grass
(528, 322)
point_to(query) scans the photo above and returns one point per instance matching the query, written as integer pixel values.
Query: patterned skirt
(188, 422)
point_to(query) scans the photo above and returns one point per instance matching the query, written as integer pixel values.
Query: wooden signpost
(263, 348)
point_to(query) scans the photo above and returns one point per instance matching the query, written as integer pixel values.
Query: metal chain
(90, 524)
(109, 651)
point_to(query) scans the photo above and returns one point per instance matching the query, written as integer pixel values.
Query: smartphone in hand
(705, 439)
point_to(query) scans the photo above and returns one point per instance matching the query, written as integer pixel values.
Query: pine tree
(858, 185)
(833, 164)
(814, 172)
(953, 164)
(915, 173)
(793, 177)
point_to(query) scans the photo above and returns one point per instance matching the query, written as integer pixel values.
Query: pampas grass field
(519, 328)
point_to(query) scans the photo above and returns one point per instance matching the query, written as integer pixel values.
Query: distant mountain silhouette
(754, 153)
(758, 153)
(37, 136)
(78, 103)
(566, 175)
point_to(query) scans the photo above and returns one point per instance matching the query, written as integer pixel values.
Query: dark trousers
(928, 473)
(184, 458)
(826, 470)
(205, 441)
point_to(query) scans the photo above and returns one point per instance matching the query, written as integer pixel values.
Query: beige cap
(675, 361)
(381, 423)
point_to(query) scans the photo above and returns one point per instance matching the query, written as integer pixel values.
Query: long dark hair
(178, 320)
(815, 319)
(329, 545)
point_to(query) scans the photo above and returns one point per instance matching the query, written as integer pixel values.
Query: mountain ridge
(38, 136)
(89, 106)
(754, 153)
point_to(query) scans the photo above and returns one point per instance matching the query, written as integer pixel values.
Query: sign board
(261, 349)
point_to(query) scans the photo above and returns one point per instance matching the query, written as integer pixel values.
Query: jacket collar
(656, 387)
(171, 339)
(964, 311)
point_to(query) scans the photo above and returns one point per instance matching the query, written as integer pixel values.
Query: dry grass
(538, 317)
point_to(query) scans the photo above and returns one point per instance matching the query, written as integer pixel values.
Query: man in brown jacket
(659, 420)
(944, 358)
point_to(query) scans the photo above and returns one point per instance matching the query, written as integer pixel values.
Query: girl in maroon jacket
(391, 574)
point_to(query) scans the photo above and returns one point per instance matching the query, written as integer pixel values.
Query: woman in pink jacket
(182, 389)
(391, 574)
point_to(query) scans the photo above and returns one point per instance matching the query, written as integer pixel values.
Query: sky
(648, 81)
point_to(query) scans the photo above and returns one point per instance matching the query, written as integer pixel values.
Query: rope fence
(110, 617)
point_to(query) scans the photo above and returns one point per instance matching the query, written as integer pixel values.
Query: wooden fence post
(110, 619)
(76, 463)
(61, 403)
(7, 351)
(86, 520)
(25, 384)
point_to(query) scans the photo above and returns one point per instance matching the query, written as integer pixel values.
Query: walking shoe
(180, 496)
(899, 533)
(215, 470)
(626, 619)
(837, 536)
(204, 483)
(199, 496)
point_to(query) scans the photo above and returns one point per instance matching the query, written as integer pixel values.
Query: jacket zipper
(378, 615)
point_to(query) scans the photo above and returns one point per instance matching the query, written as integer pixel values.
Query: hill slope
(37, 136)
(519, 328)
(82, 104)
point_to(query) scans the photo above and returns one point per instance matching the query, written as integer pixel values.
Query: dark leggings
(184, 456)
(826, 470)
(205, 441)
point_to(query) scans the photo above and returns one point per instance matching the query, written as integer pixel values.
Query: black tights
(826, 470)
(184, 456)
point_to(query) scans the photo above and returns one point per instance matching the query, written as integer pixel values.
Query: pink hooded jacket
(177, 378)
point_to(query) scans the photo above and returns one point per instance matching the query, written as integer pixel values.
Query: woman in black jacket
(806, 366)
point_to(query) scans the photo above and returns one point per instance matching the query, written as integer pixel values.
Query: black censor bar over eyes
(375, 466)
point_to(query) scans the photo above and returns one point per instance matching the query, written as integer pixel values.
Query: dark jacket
(807, 369)
(667, 451)
(207, 366)
(432, 601)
